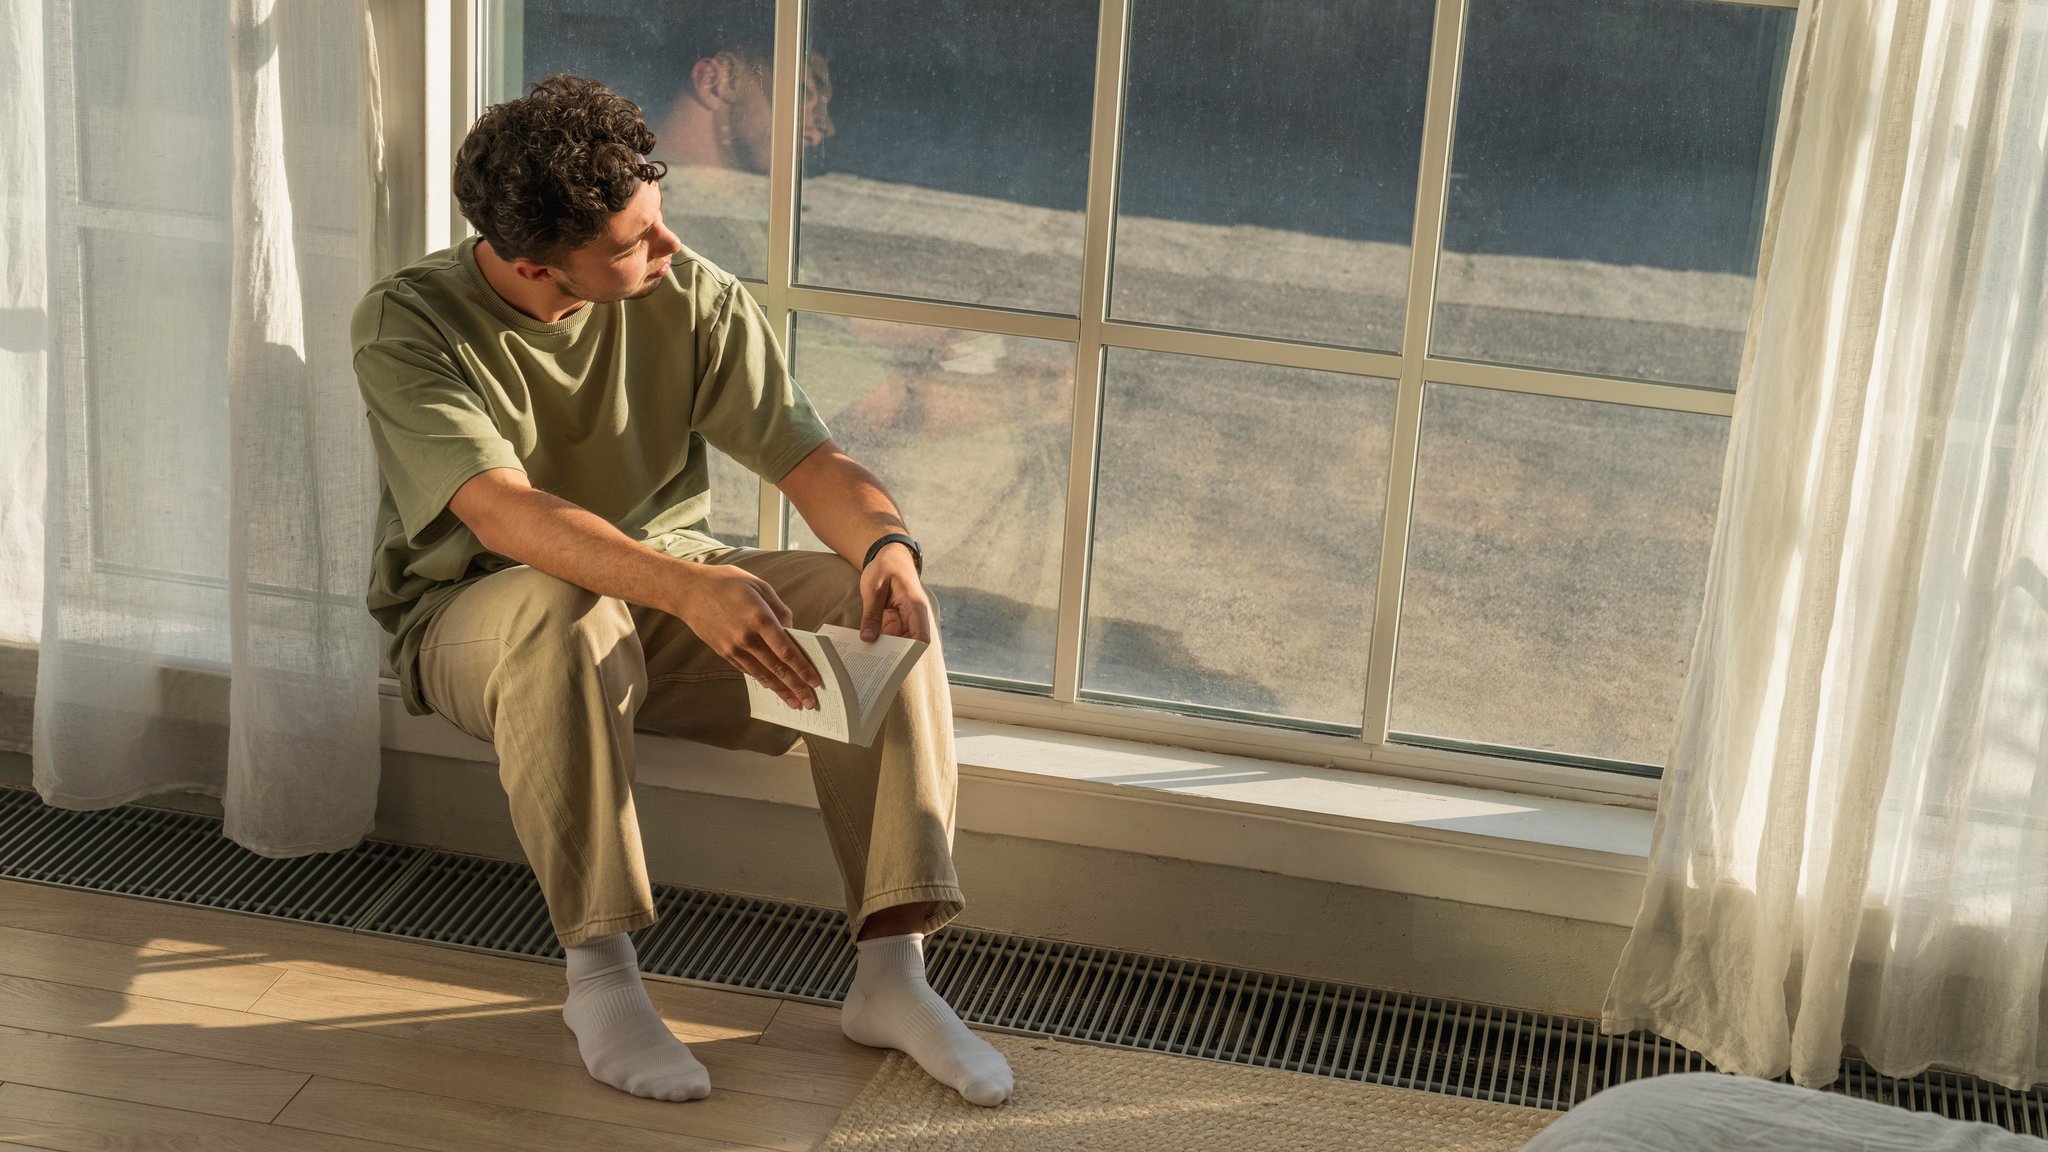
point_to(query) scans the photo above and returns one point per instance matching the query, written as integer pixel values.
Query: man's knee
(558, 618)
(846, 610)
(849, 608)
(832, 589)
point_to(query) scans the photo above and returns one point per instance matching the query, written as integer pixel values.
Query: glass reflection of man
(716, 136)
(721, 117)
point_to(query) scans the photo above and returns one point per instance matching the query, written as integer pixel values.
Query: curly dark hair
(538, 176)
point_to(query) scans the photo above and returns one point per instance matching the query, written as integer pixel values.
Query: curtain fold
(23, 323)
(211, 485)
(1852, 840)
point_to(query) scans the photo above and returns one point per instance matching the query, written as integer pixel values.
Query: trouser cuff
(950, 900)
(605, 926)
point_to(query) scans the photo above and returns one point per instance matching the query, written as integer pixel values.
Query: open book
(860, 681)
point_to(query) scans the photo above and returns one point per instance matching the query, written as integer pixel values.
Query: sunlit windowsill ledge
(1562, 857)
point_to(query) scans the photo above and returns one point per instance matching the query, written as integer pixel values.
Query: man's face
(750, 108)
(628, 259)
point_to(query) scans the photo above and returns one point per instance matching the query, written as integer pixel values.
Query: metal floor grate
(1009, 983)
(182, 857)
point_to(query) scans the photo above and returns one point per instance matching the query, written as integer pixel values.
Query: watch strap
(916, 554)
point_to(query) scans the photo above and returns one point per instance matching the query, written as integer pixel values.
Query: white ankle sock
(621, 1036)
(891, 1006)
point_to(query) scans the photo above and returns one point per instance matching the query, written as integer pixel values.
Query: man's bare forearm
(734, 612)
(843, 502)
(565, 540)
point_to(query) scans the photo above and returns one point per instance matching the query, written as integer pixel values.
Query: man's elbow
(825, 468)
(483, 501)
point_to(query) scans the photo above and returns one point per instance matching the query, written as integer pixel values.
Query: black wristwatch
(916, 553)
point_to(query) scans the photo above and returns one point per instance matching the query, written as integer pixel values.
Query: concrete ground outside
(1558, 550)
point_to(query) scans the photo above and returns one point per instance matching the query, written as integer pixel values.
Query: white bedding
(1710, 1112)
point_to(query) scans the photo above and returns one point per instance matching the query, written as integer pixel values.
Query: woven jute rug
(1083, 1097)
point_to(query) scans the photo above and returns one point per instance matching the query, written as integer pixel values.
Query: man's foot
(891, 1006)
(621, 1036)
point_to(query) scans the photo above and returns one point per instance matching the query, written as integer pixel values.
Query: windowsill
(1561, 857)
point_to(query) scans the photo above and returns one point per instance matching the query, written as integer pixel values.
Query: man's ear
(533, 271)
(711, 77)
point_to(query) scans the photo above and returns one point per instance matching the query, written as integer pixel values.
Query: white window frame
(441, 45)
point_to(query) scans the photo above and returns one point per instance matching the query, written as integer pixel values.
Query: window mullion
(1432, 190)
(446, 114)
(772, 530)
(1579, 386)
(1105, 146)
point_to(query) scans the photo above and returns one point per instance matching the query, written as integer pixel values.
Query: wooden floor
(129, 1024)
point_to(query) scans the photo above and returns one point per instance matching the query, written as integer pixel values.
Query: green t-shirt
(609, 408)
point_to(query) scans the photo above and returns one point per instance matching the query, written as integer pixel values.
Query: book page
(832, 719)
(871, 669)
(868, 671)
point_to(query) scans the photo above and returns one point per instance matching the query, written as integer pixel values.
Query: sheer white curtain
(1852, 845)
(210, 480)
(22, 322)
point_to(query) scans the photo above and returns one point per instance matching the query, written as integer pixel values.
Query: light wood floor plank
(784, 1073)
(192, 977)
(530, 1028)
(9, 1144)
(348, 955)
(803, 1027)
(439, 1124)
(144, 1076)
(536, 1032)
(68, 1122)
(396, 1062)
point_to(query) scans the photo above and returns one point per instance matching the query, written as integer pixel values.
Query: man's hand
(892, 597)
(741, 618)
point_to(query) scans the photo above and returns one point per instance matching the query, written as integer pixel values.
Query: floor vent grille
(182, 857)
(1012, 983)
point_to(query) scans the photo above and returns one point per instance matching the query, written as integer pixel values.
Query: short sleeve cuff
(800, 444)
(434, 501)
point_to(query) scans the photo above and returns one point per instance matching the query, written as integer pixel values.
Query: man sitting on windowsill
(541, 399)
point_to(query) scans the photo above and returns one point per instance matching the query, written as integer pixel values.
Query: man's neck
(689, 136)
(541, 301)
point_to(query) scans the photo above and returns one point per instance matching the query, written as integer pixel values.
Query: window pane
(701, 71)
(954, 164)
(1269, 161)
(969, 431)
(151, 358)
(1607, 185)
(1556, 565)
(1237, 536)
(148, 138)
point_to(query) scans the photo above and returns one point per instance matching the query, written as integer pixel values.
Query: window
(962, 170)
(1352, 374)
(1610, 226)
(970, 429)
(139, 178)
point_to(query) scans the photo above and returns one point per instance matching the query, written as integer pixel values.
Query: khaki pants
(558, 677)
